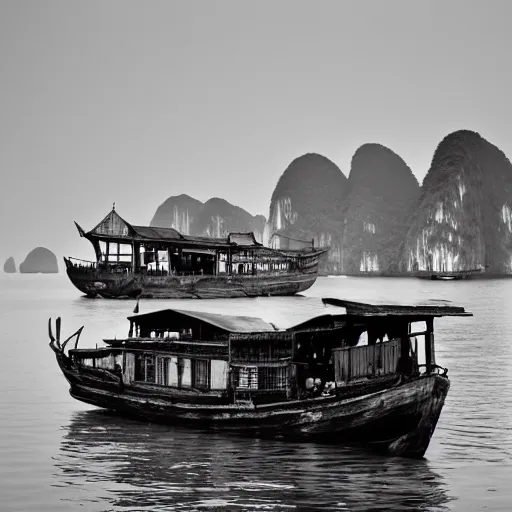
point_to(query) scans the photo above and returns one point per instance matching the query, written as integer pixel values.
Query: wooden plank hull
(112, 285)
(398, 419)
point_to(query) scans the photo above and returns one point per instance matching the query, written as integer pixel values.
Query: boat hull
(397, 420)
(111, 285)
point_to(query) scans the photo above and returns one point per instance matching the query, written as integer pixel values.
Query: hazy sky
(132, 102)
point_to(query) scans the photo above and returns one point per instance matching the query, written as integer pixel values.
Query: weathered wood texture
(118, 285)
(366, 361)
(398, 419)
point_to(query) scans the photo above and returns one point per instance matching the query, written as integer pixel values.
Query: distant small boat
(161, 263)
(452, 275)
(312, 381)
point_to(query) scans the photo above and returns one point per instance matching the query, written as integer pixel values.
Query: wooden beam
(429, 345)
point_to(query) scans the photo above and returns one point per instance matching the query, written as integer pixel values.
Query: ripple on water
(58, 455)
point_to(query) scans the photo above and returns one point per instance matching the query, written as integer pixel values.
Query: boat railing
(85, 267)
(366, 361)
(434, 368)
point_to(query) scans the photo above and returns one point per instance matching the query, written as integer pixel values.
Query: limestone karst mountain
(382, 195)
(215, 218)
(40, 260)
(464, 219)
(307, 204)
(177, 212)
(10, 266)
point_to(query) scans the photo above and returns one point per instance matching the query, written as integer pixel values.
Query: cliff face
(382, 195)
(40, 260)
(215, 218)
(10, 266)
(177, 212)
(464, 220)
(307, 205)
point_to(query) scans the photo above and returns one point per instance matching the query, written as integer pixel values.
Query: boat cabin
(121, 247)
(247, 359)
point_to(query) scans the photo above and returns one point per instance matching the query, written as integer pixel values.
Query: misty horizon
(131, 104)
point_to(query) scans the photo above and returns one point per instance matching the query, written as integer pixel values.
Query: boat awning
(174, 317)
(427, 308)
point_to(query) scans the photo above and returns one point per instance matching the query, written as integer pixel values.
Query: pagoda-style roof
(114, 227)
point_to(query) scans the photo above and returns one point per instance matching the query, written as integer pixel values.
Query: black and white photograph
(257, 255)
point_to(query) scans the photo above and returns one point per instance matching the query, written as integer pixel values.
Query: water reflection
(109, 461)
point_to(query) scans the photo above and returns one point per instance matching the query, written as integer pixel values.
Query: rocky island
(383, 193)
(464, 218)
(307, 204)
(40, 260)
(216, 218)
(10, 266)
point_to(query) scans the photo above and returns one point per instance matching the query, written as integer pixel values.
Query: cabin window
(173, 373)
(363, 339)
(418, 341)
(248, 378)
(218, 374)
(273, 378)
(186, 334)
(112, 251)
(186, 373)
(162, 371)
(201, 373)
(145, 368)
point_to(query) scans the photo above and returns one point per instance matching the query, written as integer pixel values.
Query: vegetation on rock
(382, 195)
(215, 218)
(307, 204)
(464, 219)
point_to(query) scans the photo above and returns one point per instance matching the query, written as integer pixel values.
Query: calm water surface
(57, 454)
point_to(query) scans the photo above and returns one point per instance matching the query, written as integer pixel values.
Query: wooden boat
(314, 380)
(454, 275)
(151, 262)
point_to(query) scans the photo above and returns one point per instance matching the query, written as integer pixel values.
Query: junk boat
(154, 262)
(358, 373)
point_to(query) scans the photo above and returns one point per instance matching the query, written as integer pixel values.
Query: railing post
(430, 358)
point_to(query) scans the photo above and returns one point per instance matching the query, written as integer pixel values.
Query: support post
(430, 358)
(107, 255)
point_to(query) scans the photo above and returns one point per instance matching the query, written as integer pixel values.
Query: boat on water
(153, 262)
(351, 374)
(450, 275)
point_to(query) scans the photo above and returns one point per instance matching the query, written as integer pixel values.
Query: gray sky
(132, 102)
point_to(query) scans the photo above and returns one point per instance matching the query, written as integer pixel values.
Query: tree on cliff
(382, 195)
(464, 219)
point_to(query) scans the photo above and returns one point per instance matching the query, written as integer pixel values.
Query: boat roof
(376, 307)
(228, 323)
(113, 226)
(333, 310)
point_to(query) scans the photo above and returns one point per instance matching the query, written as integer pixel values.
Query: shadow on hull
(113, 286)
(390, 416)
